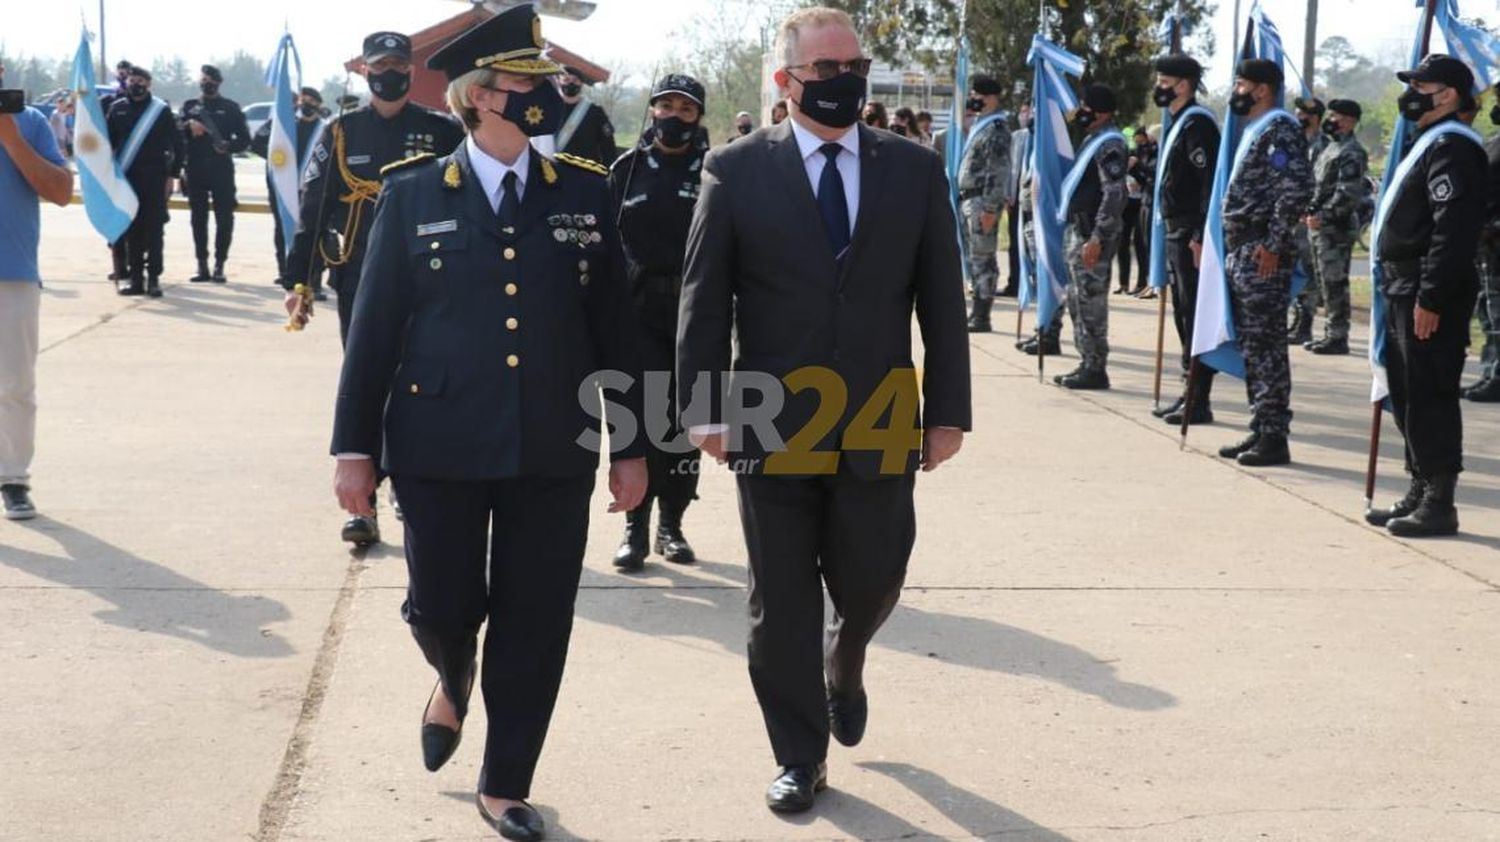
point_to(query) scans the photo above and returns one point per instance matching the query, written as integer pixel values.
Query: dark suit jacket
(759, 267)
(434, 362)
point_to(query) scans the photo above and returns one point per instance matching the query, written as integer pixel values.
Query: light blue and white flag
(1479, 49)
(953, 143)
(108, 198)
(1051, 159)
(282, 164)
(1213, 327)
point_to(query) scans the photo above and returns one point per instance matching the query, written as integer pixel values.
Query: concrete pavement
(1102, 638)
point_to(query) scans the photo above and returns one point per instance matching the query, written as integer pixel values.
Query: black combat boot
(153, 286)
(1434, 516)
(203, 276)
(1233, 451)
(1401, 508)
(670, 544)
(1485, 392)
(635, 546)
(1050, 346)
(218, 276)
(979, 318)
(1174, 406)
(1086, 379)
(1270, 449)
(1202, 414)
(1329, 347)
(1302, 324)
(134, 286)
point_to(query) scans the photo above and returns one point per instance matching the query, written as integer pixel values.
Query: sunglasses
(828, 68)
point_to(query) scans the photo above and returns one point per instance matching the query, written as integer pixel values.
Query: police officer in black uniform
(1427, 248)
(656, 186)
(587, 133)
(157, 152)
(1186, 186)
(215, 131)
(341, 183)
(310, 126)
(492, 292)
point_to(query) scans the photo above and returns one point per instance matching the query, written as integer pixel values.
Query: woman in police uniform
(489, 297)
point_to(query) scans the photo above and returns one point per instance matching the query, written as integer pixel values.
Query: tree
(727, 48)
(1117, 40)
(1338, 63)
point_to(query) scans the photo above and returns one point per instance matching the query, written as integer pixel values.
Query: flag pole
(1166, 290)
(1429, 11)
(1041, 350)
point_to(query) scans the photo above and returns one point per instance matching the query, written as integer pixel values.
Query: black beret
(1347, 107)
(679, 83)
(1099, 98)
(984, 85)
(1443, 69)
(1179, 66)
(510, 42)
(139, 71)
(312, 92)
(1309, 105)
(379, 45)
(1260, 71)
(123, 64)
(212, 72)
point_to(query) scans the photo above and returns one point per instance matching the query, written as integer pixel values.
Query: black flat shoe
(796, 789)
(848, 713)
(520, 823)
(439, 742)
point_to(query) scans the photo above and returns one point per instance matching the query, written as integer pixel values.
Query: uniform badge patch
(1278, 160)
(312, 172)
(1441, 190)
(430, 228)
(1199, 158)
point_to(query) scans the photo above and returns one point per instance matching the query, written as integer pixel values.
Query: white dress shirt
(491, 172)
(814, 160)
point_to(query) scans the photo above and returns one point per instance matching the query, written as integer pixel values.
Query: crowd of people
(488, 258)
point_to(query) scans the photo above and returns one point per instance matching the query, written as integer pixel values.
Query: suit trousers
(20, 308)
(212, 183)
(510, 552)
(854, 536)
(1424, 378)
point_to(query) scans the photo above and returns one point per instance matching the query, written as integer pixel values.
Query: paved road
(1103, 637)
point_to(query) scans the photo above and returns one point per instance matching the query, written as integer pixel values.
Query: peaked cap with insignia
(510, 42)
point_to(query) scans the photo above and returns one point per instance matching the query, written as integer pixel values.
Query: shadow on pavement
(981, 817)
(152, 598)
(715, 611)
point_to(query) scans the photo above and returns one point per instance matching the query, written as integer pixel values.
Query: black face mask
(899, 129)
(572, 89)
(1083, 118)
(1495, 115)
(309, 110)
(1241, 103)
(1414, 105)
(1331, 127)
(137, 91)
(835, 102)
(673, 132)
(1163, 97)
(744, 129)
(390, 85)
(209, 88)
(536, 112)
(974, 104)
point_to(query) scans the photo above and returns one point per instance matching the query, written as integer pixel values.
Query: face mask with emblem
(536, 112)
(674, 132)
(1331, 127)
(390, 85)
(835, 102)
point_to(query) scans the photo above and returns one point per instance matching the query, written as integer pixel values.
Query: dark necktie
(510, 203)
(833, 206)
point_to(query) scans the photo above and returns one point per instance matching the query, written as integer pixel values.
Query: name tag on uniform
(430, 228)
(355, 160)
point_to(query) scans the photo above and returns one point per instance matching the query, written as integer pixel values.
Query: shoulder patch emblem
(407, 162)
(1441, 190)
(1199, 158)
(1278, 159)
(581, 163)
(453, 176)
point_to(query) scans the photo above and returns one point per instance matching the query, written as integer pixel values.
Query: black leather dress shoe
(361, 531)
(796, 788)
(520, 823)
(847, 715)
(439, 742)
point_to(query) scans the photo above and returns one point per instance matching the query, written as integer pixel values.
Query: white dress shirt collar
(491, 172)
(810, 144)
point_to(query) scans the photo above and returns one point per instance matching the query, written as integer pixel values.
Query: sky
(634, 32)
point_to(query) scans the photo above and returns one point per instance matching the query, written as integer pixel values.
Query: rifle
(211, 126)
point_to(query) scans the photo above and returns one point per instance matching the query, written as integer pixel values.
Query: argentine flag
(107, 197)
(1051, 158)
(282, 166)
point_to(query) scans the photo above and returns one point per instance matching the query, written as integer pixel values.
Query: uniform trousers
(212, 183)
(1259, 308)
(852, 535)
(509, 552)
(1183, 276)
(1424, 378)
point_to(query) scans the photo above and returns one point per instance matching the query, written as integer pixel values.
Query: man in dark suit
(796, 250)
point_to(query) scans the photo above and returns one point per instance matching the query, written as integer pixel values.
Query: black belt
(965, 195)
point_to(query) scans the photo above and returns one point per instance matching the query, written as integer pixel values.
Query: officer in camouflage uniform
(983, 189)
(1310, 114)
(1487, 390)
(1266, 197)
(1093, 235)
(1333, 219)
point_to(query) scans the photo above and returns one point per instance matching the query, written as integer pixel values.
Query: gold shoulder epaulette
(582, 163)
(407, 162)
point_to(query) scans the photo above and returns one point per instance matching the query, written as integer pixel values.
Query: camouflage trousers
(1088, 299)
(979, 251)
(1259, 307)
(1311, 296)
(1488, 310)
(1331, 249)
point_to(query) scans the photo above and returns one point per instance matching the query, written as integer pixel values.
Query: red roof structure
(428, 87)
